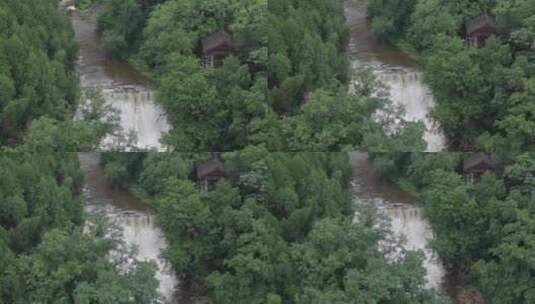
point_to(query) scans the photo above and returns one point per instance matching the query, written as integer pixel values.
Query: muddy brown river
(121, 85)
(136, 220)
(404, 79)
(399, 72)
(140, 229)
(131, 93)
(405, 216)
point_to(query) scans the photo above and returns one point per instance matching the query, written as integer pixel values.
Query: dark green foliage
(254, 97)
(279, 228)
(38, 88)
(84, 4)
(37, 55)
(123, 167)
(70, 266)
(482, 229)
(213, 109)
(341, 121)
(122, 24)
(307, 40)
(49, 252)
(484, 95)
(46, 255)
(36, 194)
(390, 17)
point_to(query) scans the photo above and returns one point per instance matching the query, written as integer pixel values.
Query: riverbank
(136, 219)
(283, 212)
(408, 221)
(122, 86)
(405, 214)
(399, 71)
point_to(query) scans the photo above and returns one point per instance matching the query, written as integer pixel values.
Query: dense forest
(210, 109)
(39, 88)
(51, 251)
(484, 95)
(248, 209)
(484, 228)
(294, 98)
(278, 228)
(37, 55)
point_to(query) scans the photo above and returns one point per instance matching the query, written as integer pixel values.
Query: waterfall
(122, 87)
(406, 218)
(135, 219)
(398, 71)
(407, 89)
(407, 222)
(138, 113)
(140, 230)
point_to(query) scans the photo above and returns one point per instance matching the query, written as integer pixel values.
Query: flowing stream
(134, 217)
(126, 90)
(405, 216)
(404, 79)
(121, 85)
(395, 69)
